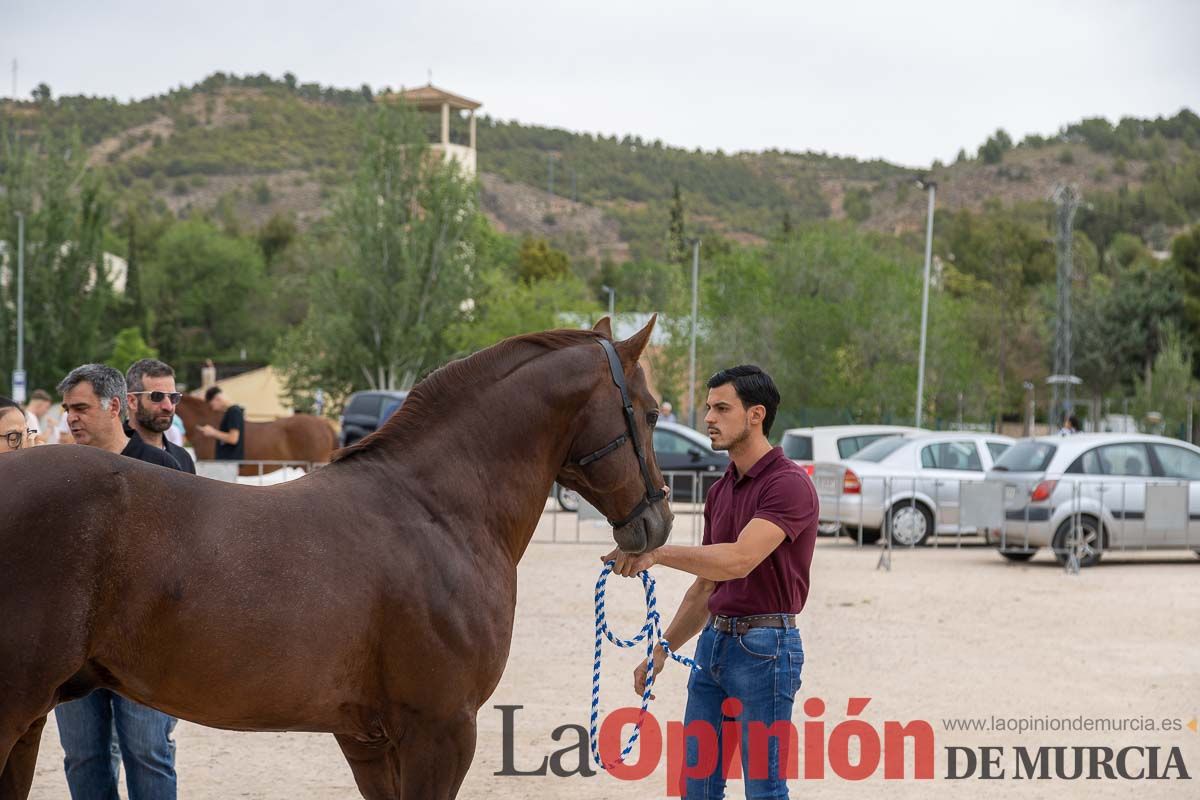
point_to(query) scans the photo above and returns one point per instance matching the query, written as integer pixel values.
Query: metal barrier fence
(1079, 517)
(589, 526)
(263, 473)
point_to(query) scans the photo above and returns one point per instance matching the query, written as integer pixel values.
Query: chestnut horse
(302, 437)
(372, 599)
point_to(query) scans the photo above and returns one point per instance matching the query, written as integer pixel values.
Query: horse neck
(486, 463)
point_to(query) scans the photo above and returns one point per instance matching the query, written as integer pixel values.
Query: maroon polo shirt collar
(769, 458)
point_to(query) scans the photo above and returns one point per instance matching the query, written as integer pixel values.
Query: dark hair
(1074, 420)
(7, 403)
(41, 394)
(754, 388)
(211, 392)
(146, 368)
(106, 382)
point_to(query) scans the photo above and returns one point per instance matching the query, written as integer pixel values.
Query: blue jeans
(87, 727)
(761, 669)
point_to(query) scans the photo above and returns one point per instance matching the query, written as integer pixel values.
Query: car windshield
(797, 446)
(878, 451)
(1026, 457)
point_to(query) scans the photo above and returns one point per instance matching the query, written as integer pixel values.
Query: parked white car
(909, 485)
(806, 446)
(1088, 492)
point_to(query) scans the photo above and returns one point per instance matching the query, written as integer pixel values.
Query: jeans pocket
(792, 656)
(761, 643)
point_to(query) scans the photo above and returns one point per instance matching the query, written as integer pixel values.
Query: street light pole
(932, 187)
(612, 301)
(695, 311)
(20, 308)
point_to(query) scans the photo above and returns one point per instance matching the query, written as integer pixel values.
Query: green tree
(858, 204)
(68, 293)
(275, 236)
(128, 347)
(1185, 256)
(203, 289)
(677, 245)
(379, 315)
(538, 261)
(1169, 384)
(992, 151)
(505, 307)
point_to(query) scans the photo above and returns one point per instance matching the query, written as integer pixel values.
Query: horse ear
(631, 349)
(604, 326)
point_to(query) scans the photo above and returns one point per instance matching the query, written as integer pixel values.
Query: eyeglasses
(16, 438)
(158, 397)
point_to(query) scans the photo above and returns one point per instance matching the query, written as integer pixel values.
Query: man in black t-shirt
(92, 398)
(231, 437)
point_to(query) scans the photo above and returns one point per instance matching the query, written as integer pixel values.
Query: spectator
(1070, 425)
(667, 412)
(92, 397)
(152, 398)
(15, 432)
(231, 437)
(40, 404)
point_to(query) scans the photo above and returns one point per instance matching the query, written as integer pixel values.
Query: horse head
(611, 458)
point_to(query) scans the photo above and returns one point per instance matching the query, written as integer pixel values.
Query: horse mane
(457, 379)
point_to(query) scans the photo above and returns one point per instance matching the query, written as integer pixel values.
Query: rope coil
(651, 634)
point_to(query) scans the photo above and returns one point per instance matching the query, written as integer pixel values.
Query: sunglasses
(16, 438)
(158, 397)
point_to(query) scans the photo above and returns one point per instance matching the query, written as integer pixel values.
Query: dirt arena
(946, 633)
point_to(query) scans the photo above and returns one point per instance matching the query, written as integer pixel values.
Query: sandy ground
(946, 633)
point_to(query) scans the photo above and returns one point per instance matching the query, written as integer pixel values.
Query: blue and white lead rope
(651, 634)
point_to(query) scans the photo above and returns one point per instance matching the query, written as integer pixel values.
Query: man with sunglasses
(92, 399)
(15, 433)
(152, 398)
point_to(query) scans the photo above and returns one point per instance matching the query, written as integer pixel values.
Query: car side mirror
(695, 454)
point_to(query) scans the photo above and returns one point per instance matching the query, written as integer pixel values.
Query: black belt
(739, 625)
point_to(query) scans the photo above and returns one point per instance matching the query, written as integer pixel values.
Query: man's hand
(208, 430)
(630, 564)
(639, 674)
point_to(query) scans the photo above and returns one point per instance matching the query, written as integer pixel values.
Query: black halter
(653, 494)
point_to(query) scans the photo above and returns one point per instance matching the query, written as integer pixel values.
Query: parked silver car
(1091, 492)
(908, 484)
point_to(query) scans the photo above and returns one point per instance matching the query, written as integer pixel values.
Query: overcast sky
(906, 81)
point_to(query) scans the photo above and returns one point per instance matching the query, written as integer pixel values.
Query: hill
(250, 148)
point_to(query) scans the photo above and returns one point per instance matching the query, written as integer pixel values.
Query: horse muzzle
(647, 531)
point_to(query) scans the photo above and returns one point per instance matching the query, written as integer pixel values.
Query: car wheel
(568, 500)
(1086, 531)
(830, 529)
(1018, 555)
(909, 524)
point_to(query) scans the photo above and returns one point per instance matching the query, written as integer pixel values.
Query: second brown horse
(302, 437)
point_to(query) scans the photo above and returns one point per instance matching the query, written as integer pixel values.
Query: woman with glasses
(14, 432)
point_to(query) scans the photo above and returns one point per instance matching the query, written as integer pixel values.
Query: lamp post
(612, 300)
(692, 351)
(932, 187)
(18, 377)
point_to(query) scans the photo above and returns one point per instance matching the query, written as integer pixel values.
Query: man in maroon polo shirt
(752, 578)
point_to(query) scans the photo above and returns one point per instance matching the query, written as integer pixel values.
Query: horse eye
(652, 418)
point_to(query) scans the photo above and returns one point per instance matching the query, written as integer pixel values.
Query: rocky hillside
(250, 148)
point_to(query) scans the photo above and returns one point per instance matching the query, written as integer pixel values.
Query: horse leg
(375, 766)
(429, 762)
(434, 759)
(16, 774)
